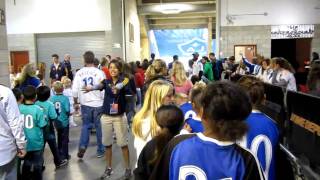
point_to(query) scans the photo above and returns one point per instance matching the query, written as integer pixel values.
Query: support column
(218, 24)
(117, 28)
(209, 35)
(4, 54)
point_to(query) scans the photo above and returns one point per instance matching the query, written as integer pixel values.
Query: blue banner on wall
(181, 42)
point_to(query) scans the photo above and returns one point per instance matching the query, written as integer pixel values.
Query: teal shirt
(50, 115)
(62, 106)
(33, 123)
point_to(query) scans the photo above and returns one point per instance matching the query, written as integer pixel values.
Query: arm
(15, 122)
(248, 64)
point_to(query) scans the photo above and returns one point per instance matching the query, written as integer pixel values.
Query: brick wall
(4, 56)
(315, 45)
(23, 42)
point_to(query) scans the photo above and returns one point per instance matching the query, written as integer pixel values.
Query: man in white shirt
(91, 102)
(12, 139)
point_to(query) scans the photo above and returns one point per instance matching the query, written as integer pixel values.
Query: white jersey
(88, 76)
(288, 77)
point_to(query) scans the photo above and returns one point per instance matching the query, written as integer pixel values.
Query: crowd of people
(204, 122)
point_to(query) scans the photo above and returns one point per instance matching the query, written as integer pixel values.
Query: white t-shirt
(140, 143)
(197, 67)
(88, 76)
(289, 78)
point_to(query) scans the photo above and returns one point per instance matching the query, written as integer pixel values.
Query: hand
(87, 88)
(187, 127)
(21, 153)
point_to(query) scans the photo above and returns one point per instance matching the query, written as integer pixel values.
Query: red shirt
(106, 72)
(139, 79)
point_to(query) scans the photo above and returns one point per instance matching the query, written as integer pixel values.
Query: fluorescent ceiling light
(173, 8)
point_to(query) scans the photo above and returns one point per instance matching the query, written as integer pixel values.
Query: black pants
(54, 150)
(63, 141)
(32, 165)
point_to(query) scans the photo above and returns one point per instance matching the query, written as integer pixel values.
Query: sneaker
(62, 163)
(100, 154)
(81, 153)
(107, 173)
(127, 174)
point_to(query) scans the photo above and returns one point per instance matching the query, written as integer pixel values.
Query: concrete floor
(91, 167)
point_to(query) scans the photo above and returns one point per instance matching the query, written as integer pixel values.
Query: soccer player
(33, 129)
(62, 106)
(263, 135)
(213, 154)
(50, 115)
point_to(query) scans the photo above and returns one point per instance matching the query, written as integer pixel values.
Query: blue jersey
(62, 106)
(195, 124)
(187, 110)
(262, 139)
(196, 156)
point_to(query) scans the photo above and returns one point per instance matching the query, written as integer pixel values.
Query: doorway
(18, 60)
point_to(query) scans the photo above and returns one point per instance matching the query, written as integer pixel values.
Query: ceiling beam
(178, 1)
(179, 26)
(203, 8)
(179, 21)
(182, 16)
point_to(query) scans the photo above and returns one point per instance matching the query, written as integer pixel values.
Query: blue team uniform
(196, 156)
(190, 118)
(262, 139)
(57, 73)
(187, 110)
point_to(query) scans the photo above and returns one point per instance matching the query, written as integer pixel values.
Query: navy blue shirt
(110, 98)
(67, 65)
(57, 73)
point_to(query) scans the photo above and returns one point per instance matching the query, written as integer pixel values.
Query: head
(104, 62)
(157, 68)
(55, 58)
(204, 59)
(178, 73)
(194, 79)
(224, 107)
(58, 87)
(127, 70)
(195, 95)
(67, 57)
(88, 57)
(281, 63)
(66, 82)
(231, 60)
(212, 56)
(28, 70)
(145, 64)
(254, 88)
(152, 55)
(30, 93)
(43, 93)
(138, 64)
(195, 56)
(313, 81)
(265, 63)
(175, 58)
(315, 56)
(133, 67)
(181, 98)
(115, 68)
(18, 94)
(108, 57)
(159, 93)
(96, 62)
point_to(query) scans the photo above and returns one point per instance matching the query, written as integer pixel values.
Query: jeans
(54, 150)
(33, 159)
(63, 142)
(9, 171)
(91, 115)
(139, 99)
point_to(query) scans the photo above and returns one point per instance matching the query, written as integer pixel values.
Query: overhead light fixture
(173, 8)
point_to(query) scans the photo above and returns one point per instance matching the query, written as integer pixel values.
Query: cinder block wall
(242, 35)
(23, 42)
(4, 56)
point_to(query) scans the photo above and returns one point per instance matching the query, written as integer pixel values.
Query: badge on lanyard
(114, 108)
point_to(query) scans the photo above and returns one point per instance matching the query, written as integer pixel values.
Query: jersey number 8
(58, 107)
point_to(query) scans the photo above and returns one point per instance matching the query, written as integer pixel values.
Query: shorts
(117, 123)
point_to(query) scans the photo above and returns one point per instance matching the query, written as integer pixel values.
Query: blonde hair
(28, 70)
(58, 87)
(157, 68)
(66, 82)
(178, 73)
(153, 100)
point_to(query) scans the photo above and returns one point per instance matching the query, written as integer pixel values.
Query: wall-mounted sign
(292, 31)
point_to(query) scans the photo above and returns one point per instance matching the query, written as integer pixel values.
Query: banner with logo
(292, 31)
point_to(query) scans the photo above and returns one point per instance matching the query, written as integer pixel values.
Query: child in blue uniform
(62, 106)
(34, 123)
(43, 94)
(213, 154)
(263, 135)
